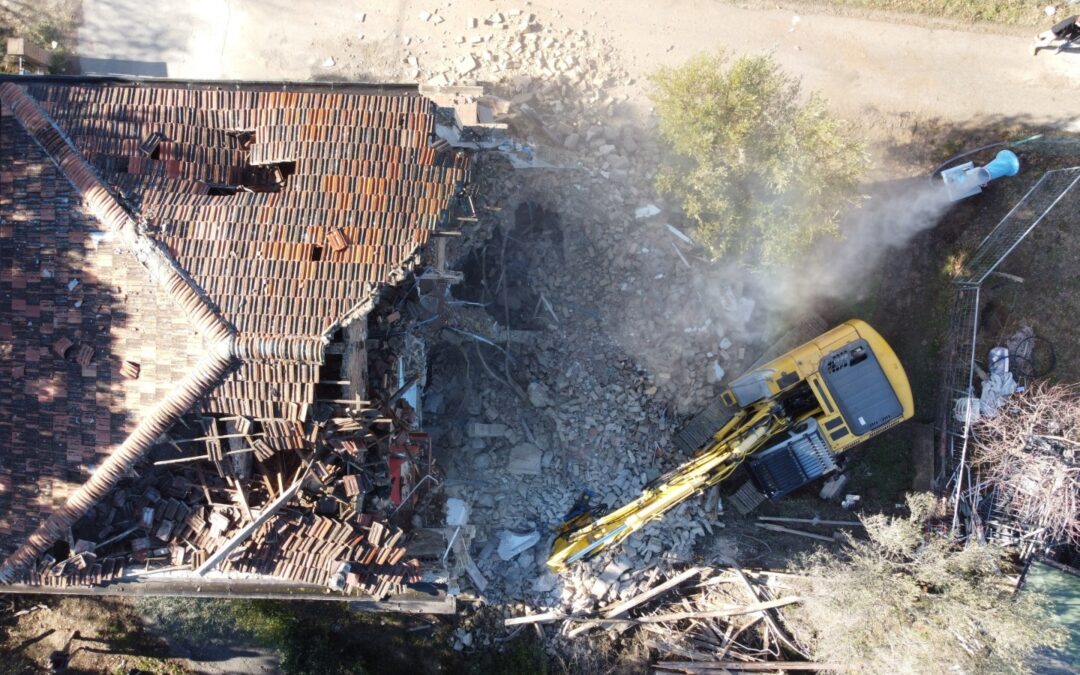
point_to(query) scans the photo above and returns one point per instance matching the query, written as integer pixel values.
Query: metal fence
(975, 511)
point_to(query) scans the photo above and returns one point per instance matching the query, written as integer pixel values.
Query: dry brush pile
(1028, 454)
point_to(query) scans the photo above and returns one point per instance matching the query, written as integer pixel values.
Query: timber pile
(700, 620)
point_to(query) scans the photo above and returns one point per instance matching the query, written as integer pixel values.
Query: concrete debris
(539, 396)
(512, 544)
(479, 430)
(647, 211)
(545, 583)
(457, 512)
(466, 65)
(525, 458)
(329, 62)
(613, 571)
(716, 372)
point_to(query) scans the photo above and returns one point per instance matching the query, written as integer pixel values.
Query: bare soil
(112, 639)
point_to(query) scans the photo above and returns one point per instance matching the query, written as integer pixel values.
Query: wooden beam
(813, 521)
(544, 617)
(745, 666)
(626, 606)
(800, 533)
(250, 528)
(730, 610)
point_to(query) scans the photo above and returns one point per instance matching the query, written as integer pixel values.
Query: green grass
(522, 656)
(1004, 12)
(310, 639)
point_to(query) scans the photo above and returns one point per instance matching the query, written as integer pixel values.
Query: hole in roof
(287, 168)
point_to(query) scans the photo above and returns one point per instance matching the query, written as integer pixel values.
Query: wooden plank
(780, 634)
(800, 533)
(745, 666)
(544, 617)
(731, 610)
(626, 606)
(813, 521)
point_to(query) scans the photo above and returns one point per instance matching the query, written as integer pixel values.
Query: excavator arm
(584, 536)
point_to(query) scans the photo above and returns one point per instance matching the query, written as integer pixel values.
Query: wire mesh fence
(976, 511)
(1040, 200)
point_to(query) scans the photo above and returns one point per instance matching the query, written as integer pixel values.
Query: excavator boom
(709, 468)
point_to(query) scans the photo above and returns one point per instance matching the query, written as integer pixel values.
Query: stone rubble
(640, 331)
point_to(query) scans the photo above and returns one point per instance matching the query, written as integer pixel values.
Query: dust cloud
(893, 213)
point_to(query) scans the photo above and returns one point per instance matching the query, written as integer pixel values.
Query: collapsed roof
(172, 250)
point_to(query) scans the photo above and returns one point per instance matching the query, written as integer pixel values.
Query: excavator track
(700, 430)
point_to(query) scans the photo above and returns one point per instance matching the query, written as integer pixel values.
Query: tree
(759, 172)
(908, 601)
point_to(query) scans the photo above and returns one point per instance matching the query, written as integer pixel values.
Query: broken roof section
(266, 219)
(76, 307)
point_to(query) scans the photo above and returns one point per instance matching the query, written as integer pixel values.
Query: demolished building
(191, 400)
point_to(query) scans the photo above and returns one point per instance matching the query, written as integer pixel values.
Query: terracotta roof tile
(46, 411)
(281, 213)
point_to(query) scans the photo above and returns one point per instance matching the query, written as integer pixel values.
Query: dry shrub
(908, 601)
(1029, 455)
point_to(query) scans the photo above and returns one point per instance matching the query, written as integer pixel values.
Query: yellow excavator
(788, 419)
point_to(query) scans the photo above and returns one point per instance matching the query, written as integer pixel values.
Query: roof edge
(246, 85)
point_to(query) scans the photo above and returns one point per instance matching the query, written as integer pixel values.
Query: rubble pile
(321, 503)
(565, 100)
(564, 92)
(531, 419)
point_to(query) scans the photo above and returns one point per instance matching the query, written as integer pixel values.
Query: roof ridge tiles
(262, 347)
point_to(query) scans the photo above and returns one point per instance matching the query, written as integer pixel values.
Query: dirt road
(859, 64)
